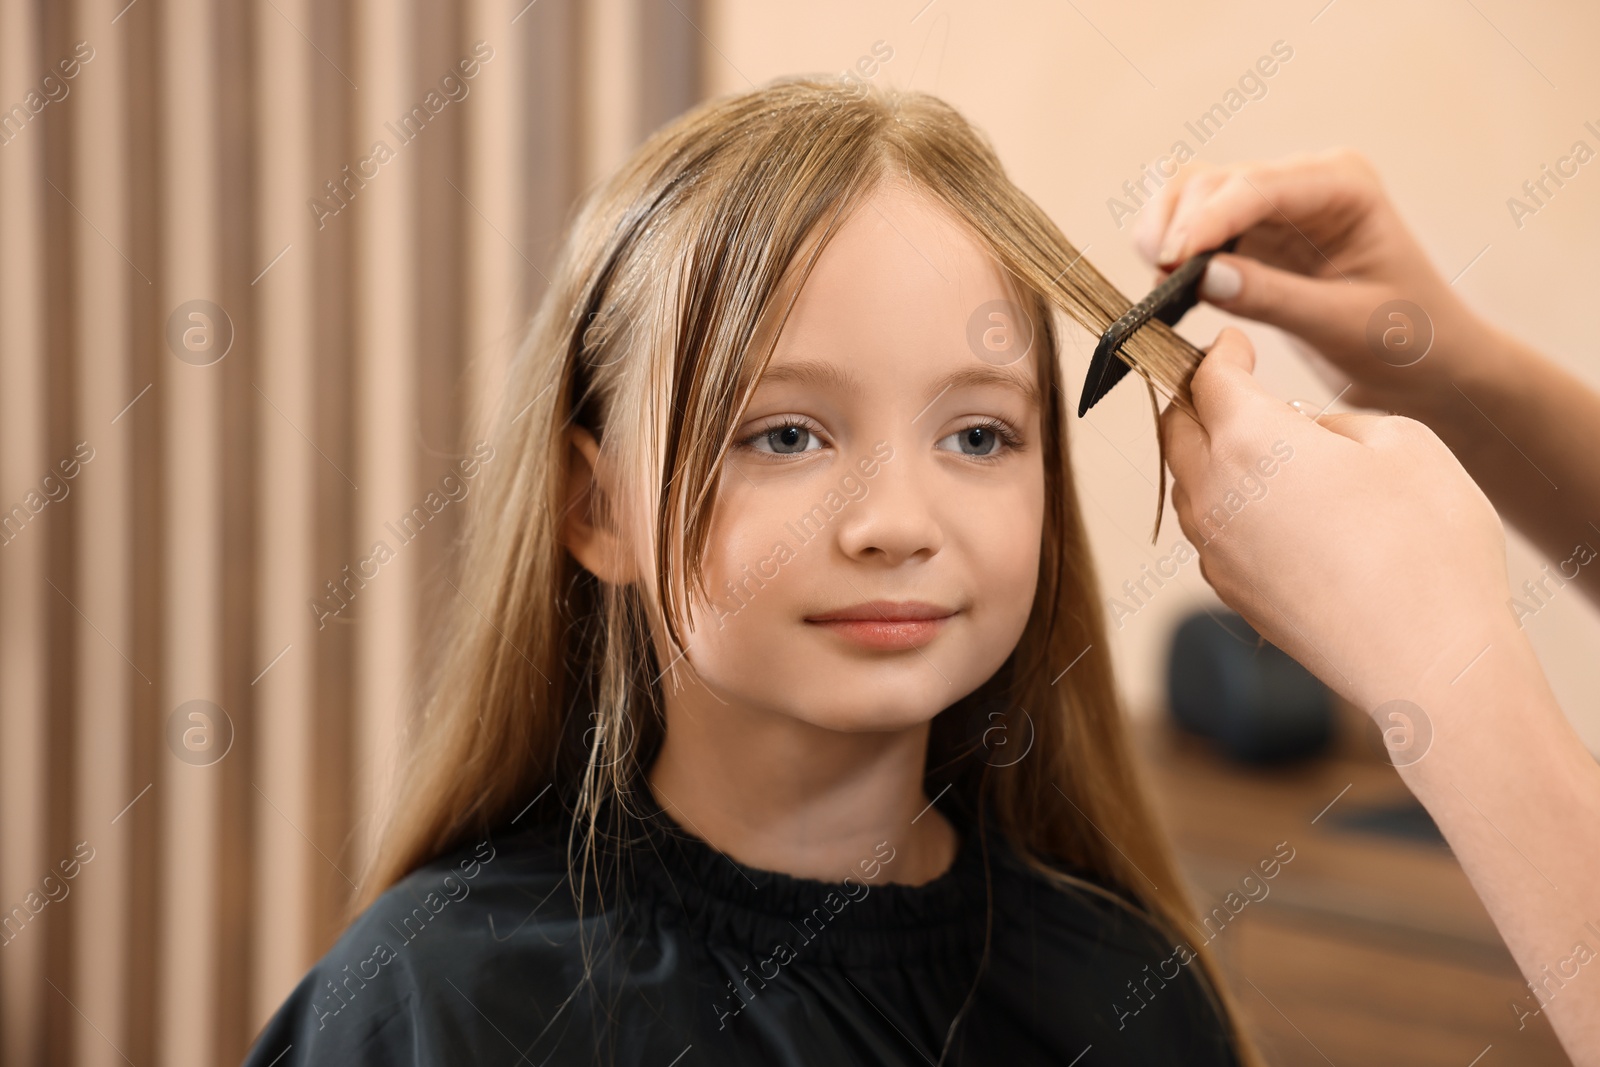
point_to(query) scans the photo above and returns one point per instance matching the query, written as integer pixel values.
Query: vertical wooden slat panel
(23, 689)
(103, 486)
(60, 525)
(334, 432)
(384, 218)
(496, 270)
(137, 32)
(189, 795)
(669, 67)
(610, 79)
(439, 224)
(550, 167)
(283, 737)
(220, 503)
(238, 264)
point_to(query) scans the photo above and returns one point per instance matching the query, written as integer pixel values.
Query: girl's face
(874, 549)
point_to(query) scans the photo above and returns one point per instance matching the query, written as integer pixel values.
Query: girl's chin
(854, 715)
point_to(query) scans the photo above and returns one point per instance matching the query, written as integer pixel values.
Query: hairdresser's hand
(1321, 252)
(1356, 543)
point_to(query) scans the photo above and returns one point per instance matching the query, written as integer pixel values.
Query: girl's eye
(784, 439)
(987, 439)
(983, 440)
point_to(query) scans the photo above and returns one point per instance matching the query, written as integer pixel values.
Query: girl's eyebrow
(831, 376)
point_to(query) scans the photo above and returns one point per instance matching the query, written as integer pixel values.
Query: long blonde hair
(548, 684)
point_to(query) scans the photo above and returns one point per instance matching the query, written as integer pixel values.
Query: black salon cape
(476, 959)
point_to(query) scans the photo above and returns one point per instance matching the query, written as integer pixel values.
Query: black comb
(1168, 302)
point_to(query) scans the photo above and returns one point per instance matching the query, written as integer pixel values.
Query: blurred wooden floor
(1368, 948)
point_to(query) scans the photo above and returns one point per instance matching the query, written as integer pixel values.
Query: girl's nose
(896, 519)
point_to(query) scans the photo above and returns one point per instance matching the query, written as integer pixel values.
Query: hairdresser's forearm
(1528, 431)
(1517, 796)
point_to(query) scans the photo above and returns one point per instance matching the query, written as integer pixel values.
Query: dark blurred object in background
(1248, 696)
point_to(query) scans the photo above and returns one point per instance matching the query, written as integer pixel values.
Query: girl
(777, 723)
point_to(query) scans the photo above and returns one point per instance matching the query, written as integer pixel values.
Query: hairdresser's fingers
(1152, 224)
(1233, 205)
(1185, 199)
(1182, 507)
(1331, 315)
(1185, 442)
(1330, 187)
(1224, 382)
(1362, 427)
(1394, 433)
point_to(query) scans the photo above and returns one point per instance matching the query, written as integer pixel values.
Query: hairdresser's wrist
(1486, 693)
(1516, 795)
(1503, 763)
(1452, 639)
(1476, 360)
(1486, 637)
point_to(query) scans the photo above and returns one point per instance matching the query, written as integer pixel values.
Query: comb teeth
(1168, 302)
(1145, 309)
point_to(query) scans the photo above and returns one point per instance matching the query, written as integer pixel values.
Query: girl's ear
(588, 528)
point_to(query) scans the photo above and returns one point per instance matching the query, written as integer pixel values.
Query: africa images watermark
(1251, 86)
(804, 529)
(1541, 189)
(1252, 486)
(1537, 594)
(53, 889)
(52, 490)
(1252, 889)
(867, 67)
(51, 90)
(1137, 593)
(354, 577)
(851, 890)
(1549, 985)
(454, 889)
(453, 88)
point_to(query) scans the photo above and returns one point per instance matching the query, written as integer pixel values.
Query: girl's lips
(885, 634)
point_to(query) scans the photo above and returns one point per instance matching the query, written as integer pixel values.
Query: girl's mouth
(886, 625)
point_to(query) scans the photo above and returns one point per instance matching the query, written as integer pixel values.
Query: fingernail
(1222, 281)
(1173, 246)
(1144, 242)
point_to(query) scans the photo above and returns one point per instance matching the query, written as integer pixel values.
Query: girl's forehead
(920, 239)
(904, 290)
(901, 264)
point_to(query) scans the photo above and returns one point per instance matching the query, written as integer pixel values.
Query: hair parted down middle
(549, 680)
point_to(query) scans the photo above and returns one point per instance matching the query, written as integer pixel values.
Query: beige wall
(1457, 103)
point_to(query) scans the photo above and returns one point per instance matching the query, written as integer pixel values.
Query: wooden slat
(496, 260)
(331, 38)
(549, 164)
(440, 294)
(239, 260)
(189, 796)
(609, 68)
(23, 645)
(384, 217)
(102, 498)
(138, 32)
(669, 54)
(284, 738)
(61, 525)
